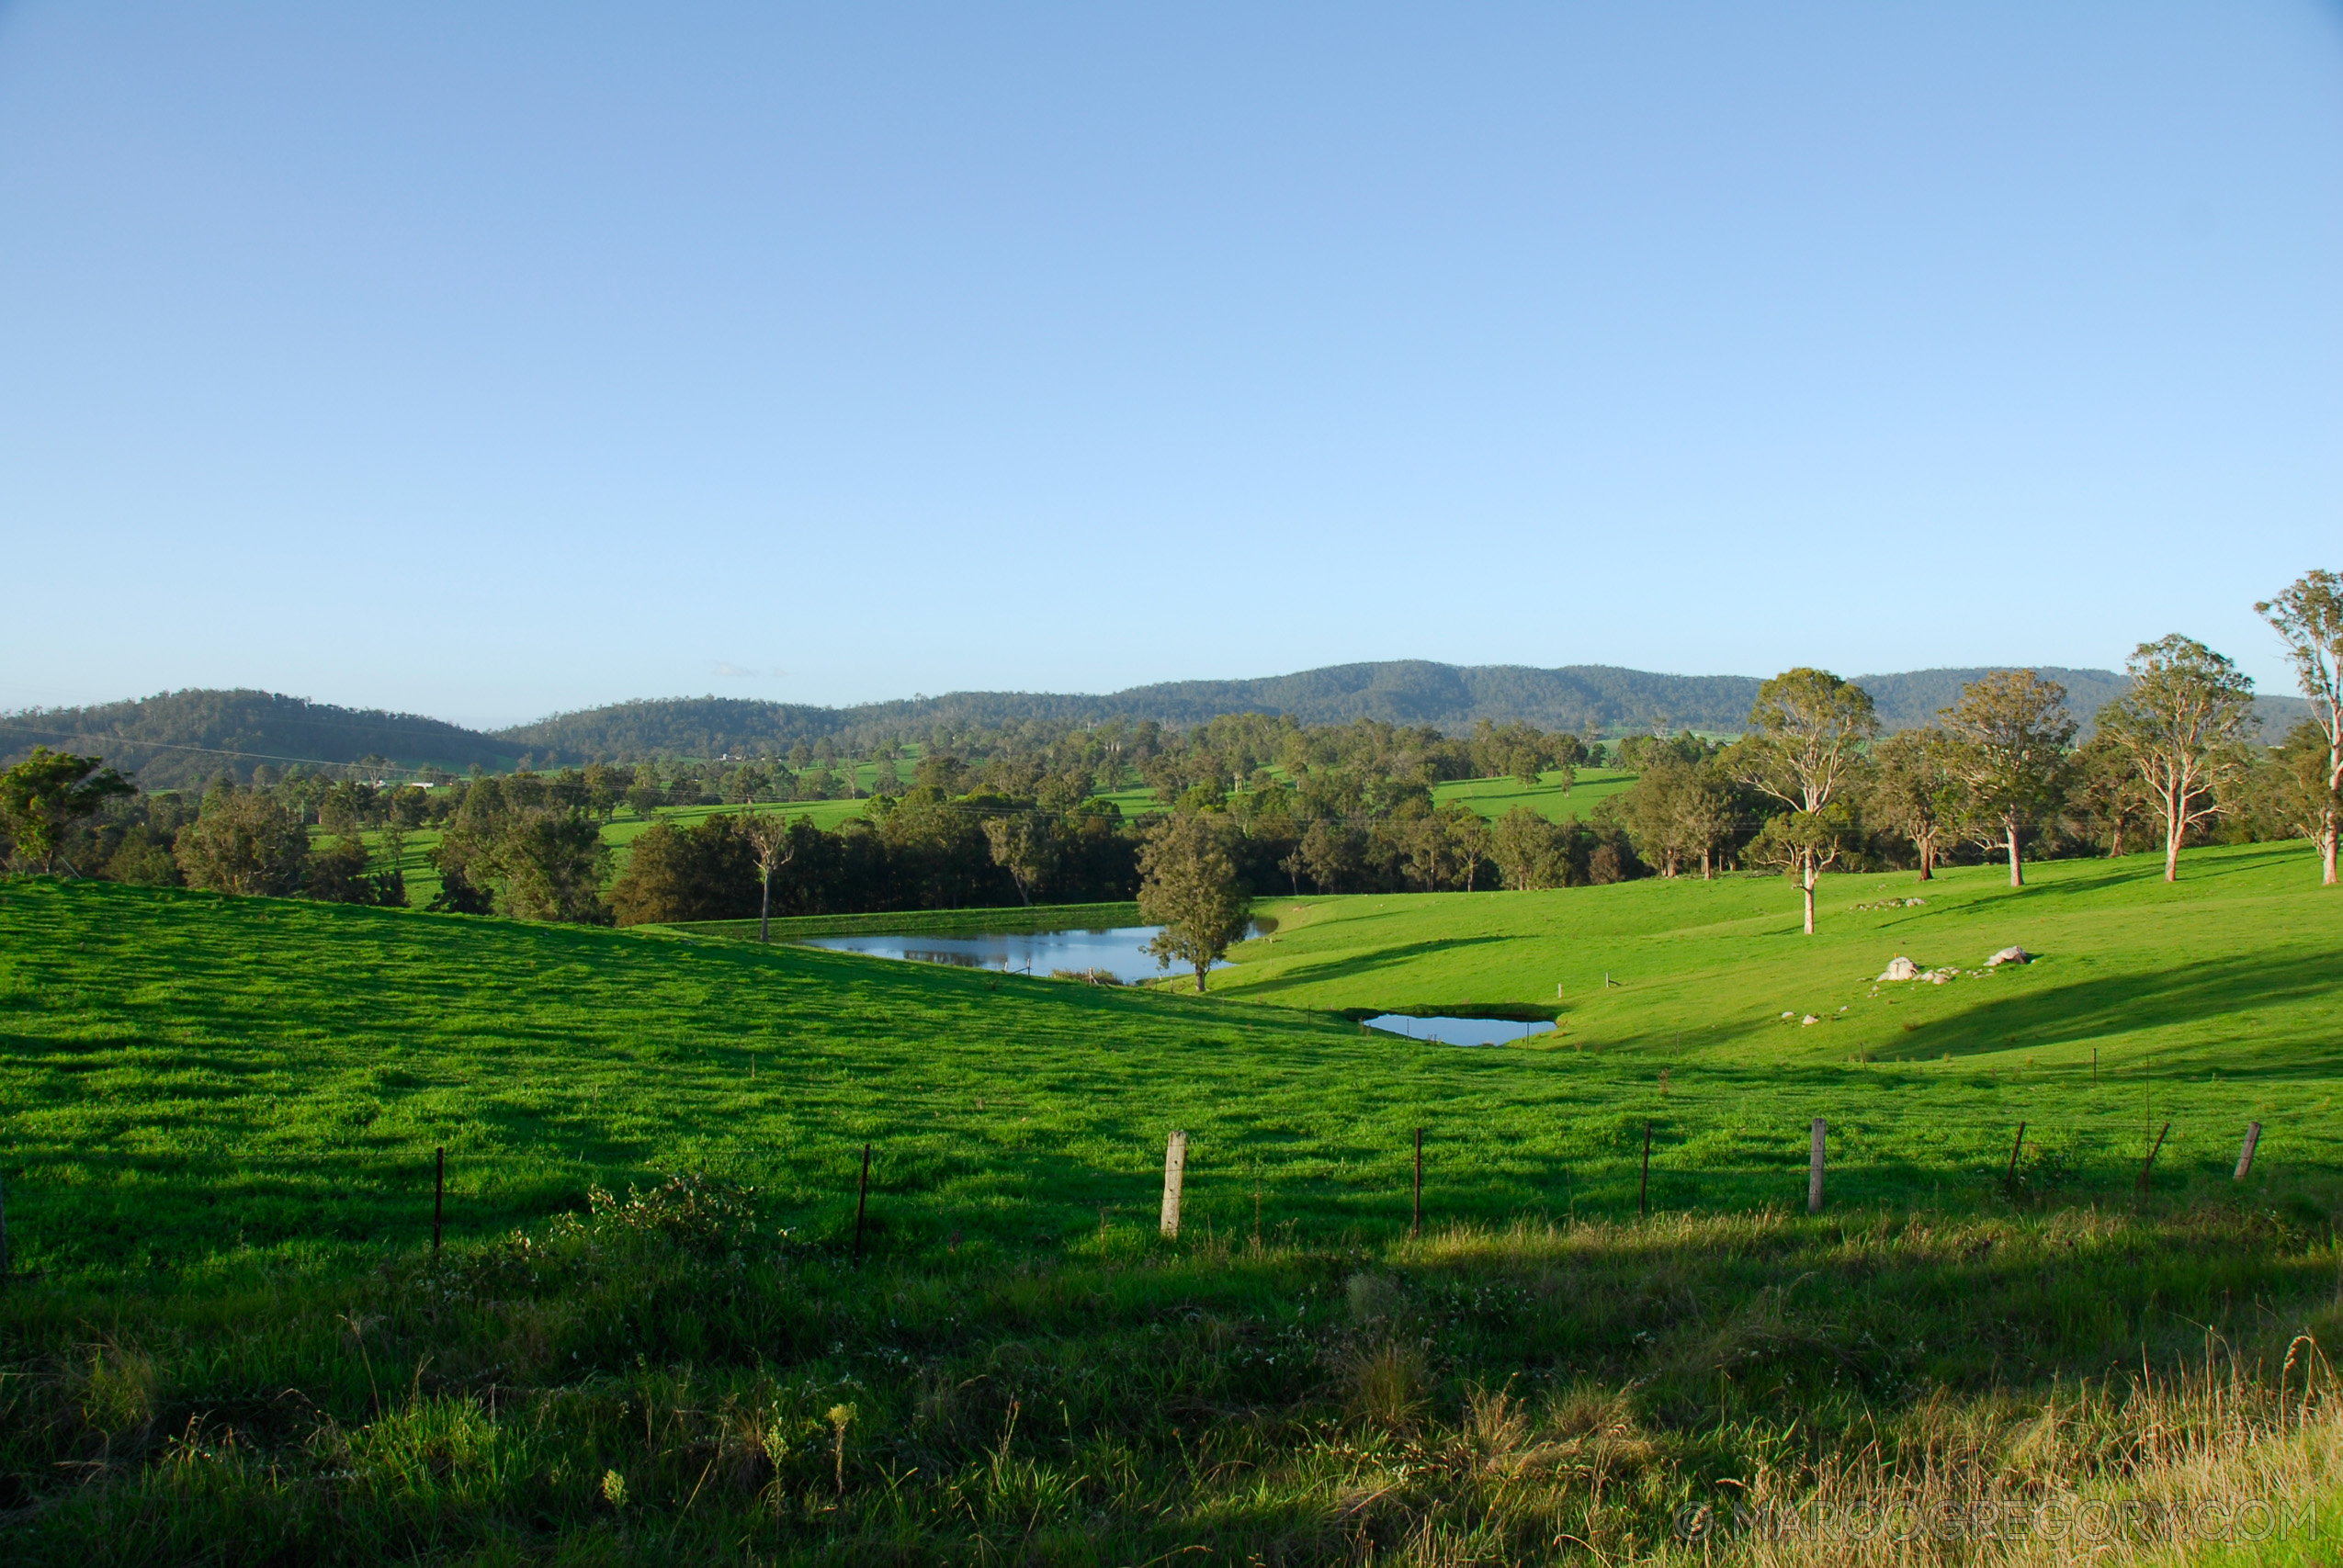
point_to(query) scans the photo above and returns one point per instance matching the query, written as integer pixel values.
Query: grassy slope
(219, 1115)
(2227, 970)
(187, 1073)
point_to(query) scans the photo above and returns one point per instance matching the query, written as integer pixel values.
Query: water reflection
(1458, 1031)
(1120, 952)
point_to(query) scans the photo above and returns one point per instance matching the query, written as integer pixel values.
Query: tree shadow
(1364, 964)
(2094, 1006)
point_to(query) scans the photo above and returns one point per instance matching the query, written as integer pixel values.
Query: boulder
(2009, 955)
(1900, 968)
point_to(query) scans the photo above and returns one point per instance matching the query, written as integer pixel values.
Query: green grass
(189, 1074)
(217, 1120)
(1494, 797)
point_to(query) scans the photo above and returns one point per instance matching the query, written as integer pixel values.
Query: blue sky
(483, 361)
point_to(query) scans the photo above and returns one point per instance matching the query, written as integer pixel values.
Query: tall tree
(773, 846)
(2299, 796)
(2183, 723)
(46, 795)
(1471, 836)
(1188, 885)
(2104, 794)
(1022, 845)
(2012, 731)
(1679, 811)
(243, 843)
(1915, 791)
(1527, 847)
(1807, 730)
(2309, 617)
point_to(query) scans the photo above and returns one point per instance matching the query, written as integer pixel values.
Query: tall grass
(666, 1378)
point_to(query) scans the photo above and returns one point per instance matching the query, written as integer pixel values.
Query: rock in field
(1901, 968)
(2009, 955)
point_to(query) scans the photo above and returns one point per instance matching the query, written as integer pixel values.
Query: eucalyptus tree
(2309, 617)
(2184, 724)
(2010, 732)
(1915, 791)
(1808, 731)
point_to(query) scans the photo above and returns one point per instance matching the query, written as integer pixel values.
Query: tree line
(983, 817)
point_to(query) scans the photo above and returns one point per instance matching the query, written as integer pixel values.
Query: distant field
(1491, 797)
(1494, 797)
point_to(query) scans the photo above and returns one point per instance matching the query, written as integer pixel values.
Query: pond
(1121, 951)
(1458, 1031)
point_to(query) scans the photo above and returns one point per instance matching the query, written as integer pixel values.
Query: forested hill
(1446, 696)
(182, 738)
(179, 739)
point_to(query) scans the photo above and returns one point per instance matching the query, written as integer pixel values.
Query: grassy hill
(217, 1118)
(294, 1063)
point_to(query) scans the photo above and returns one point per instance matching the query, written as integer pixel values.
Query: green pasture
(1494, 797)
(230, 1339)
(2230, 971)
(188, 1074)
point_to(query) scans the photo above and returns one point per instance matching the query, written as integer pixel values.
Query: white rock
(1900, 968)
(2009, 955)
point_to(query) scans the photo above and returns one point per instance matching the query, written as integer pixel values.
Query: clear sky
(486, 360)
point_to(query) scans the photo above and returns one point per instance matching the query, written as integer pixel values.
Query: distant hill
(182, 738)
(676, 726)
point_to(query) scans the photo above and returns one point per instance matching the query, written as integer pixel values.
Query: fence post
(2009, 1177)
(1175, 1171)
(2244, 1165)
(1415, 1226)
(2149, 1163)
(1813, 1171)
(1643, 1192)
(861, 1202)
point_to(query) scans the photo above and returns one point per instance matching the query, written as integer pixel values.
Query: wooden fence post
(1643, 1192)
(2149, 1163)
(1813, 1171)
(2009, 1177)
(1175, 1172)
(2245, 1155)
(1415, 1226)
(861, 1202)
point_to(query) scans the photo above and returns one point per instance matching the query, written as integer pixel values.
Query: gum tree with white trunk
(2309, 617)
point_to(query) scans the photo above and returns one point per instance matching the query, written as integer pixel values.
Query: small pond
(1121, 951)
(1458, 1031)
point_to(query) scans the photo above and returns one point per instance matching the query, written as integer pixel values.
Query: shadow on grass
(1364, 964)
(2083, 1010)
